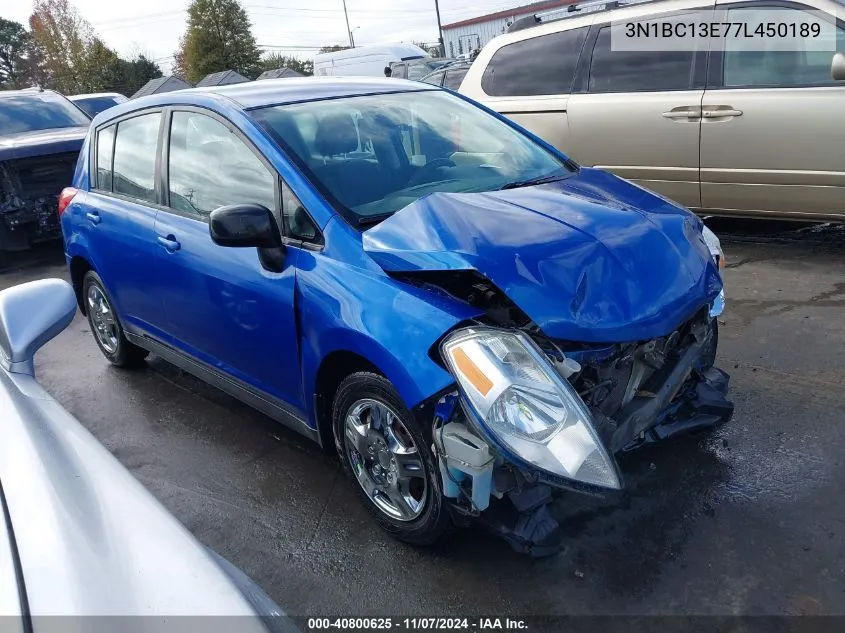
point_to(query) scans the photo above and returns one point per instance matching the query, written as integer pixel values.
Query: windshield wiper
(539, 180)
(370, 220)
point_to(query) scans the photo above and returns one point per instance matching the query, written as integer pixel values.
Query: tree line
(62, 51)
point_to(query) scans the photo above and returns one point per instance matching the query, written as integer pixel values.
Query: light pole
(351, 35)
(348, 32)
(439, 28)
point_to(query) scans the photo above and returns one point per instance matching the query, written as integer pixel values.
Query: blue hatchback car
(474, 321)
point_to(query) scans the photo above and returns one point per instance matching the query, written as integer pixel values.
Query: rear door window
(454, 78)
(637, 71)
(435, 79)
(105, 153)
(210, 167)
(542, 65)
(775, 67)
(135, 156)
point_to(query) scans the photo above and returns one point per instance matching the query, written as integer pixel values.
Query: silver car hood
(90, 538)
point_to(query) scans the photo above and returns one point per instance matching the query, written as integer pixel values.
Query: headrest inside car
(336, 134)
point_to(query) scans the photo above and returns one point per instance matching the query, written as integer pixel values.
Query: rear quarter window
(105, 153)
(543, 65)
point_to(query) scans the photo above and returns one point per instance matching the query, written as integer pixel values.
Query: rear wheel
(105, 325)
(388, 459)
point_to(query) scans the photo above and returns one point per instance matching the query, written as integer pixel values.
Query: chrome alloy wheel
(102, 317)
(385, 459)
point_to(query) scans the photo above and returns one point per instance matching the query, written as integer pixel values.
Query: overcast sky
(290, 26)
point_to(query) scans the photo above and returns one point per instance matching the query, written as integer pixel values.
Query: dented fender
(394, 332)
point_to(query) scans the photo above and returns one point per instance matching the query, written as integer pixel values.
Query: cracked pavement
(745, 521)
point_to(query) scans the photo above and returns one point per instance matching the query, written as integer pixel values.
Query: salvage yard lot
(749, 520)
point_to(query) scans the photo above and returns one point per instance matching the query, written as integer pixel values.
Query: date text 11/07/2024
(417, 624)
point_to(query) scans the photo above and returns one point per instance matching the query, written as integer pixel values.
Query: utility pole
(439, 28)
(348, 32)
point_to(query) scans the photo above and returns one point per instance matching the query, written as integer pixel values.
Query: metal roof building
(465, 36)
(161, 84)
(222, 78)
(278, 73)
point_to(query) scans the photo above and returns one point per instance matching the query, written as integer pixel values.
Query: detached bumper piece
(703, 407)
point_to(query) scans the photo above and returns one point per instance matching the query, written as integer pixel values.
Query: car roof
(26, 92)
(256, 94)
(94, 95)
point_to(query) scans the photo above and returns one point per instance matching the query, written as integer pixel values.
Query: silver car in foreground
(79, 536)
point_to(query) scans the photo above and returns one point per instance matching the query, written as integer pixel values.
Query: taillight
(65, 197)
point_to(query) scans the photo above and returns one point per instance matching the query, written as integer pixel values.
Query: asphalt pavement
(749, 520)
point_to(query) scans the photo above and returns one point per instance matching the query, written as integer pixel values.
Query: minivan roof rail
(571, 11)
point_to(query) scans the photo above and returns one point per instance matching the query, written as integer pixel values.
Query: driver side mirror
(30, 315)
(240, 225)
(837, 67)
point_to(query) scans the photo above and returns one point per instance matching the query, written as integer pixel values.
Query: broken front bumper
(24, 222)
(511, 496)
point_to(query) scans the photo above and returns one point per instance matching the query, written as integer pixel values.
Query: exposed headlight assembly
(525, 404)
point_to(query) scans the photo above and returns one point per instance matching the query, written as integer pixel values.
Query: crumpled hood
(593, 258)
(41, 142)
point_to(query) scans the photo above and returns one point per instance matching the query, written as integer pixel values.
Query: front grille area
(42, 175)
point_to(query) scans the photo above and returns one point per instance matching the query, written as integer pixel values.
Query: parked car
(416, 69)
(449, 77)
(370, 61)
(93, 104)
(41, 133)
(726, 141)
(80, 536)
(468, 316)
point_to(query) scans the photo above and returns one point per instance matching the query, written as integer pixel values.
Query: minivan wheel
(388, 459)
(105, 326)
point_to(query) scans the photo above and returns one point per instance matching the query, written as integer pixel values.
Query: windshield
(372, 155)
(37, 111)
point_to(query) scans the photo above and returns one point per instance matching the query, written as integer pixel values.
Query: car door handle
(94, 217)
(685, 113)
(718, 112)
(170, 243)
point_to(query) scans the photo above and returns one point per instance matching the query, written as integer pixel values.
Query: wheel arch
(415, 380)
(78, 267)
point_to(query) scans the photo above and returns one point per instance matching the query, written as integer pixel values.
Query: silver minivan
(719, 129)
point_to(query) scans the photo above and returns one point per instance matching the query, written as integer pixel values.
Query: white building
(465, 36)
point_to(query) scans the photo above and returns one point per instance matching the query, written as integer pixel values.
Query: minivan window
(777, 68)
(637, 71)
(435, 79)
(374, 154)
(105, 153)
(454, 78)
(211, 167)
(135, 156)
(542, 65)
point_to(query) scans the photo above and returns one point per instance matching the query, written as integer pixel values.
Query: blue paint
(591, 259)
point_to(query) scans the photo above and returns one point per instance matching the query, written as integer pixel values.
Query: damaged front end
(597, 334)
(532, 415)
(29, 190)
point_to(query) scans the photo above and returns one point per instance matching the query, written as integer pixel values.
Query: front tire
(388, 459)
(105, 325)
